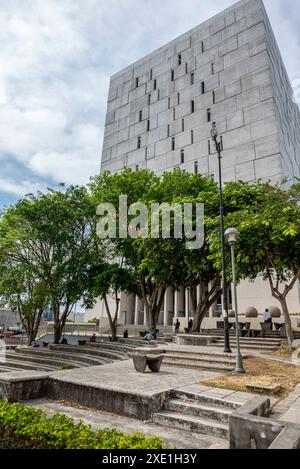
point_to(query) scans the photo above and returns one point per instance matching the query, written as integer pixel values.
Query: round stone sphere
(251, 312)
(231, 313)
(274, 312)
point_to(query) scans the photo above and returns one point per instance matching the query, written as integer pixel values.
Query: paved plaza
(172, 437)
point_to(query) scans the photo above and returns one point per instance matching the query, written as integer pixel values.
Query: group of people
(177, 326)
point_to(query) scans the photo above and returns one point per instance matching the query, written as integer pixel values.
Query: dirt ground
(260, 371)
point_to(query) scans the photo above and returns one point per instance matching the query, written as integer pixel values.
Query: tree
(51, 234)
(159, 262)
(24, 293)
(269, 245)
(110, 279)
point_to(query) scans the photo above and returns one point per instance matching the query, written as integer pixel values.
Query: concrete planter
(274, 312)
(251, 312)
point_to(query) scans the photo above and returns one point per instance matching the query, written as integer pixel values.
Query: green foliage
(46, 242)
(66, 366)
(27, 428)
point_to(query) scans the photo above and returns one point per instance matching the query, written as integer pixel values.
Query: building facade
(160, 111)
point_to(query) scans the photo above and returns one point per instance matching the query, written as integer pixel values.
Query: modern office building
(160, 111)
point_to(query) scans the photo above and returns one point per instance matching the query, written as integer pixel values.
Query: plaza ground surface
(172, 437)
(123, 378)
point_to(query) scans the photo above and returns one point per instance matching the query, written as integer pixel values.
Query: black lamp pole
(219, 148)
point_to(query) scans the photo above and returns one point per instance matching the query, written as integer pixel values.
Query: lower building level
(178, 305)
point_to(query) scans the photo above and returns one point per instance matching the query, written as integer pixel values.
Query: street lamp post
(232, 234)
(219, 148)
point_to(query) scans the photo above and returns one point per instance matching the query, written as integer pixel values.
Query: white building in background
(160, 112)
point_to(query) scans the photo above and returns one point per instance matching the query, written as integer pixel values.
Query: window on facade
(158, 95)
(168, 131)
(146, 152)
(172, 75)
(192, 106)
(137, 82)
(181, 156)
(148, 125)
(202, 47)
(151, 74)
(174, 114)
(149, 99)
(169, 103)
(140, 116)
(212, 69)
(192, 78)
(178, 98)
(208, 114)
(173, 144)
(182, 125)
(214, 97)
(202, 87)
(154, 85)
(186, 69)
(139, 142)
(196, 167)
(209, 147)
(179, 59)
(192, 137)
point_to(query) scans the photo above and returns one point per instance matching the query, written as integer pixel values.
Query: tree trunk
(281, 297)
(155, 308)
(287, 319)
(58, 331)
(112, 322)
(207, 299)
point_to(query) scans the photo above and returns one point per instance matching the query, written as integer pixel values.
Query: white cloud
(56, 57)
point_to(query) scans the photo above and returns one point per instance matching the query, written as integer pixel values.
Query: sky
(56, 57)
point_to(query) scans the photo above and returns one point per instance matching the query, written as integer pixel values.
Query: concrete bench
(152, 361)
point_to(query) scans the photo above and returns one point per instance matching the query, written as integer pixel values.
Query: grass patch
(260, 371)
(66, 366)
(284, 351)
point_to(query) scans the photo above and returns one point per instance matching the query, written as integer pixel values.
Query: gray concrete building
(228, 70)
(160, 111)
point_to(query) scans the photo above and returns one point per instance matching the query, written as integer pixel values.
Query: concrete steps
(211, 358)
(200, 399)
(200, 360)
(197, 365)
(114, 346)
(114, 355)
(44, 360)
(250, 347)
(196, 409)
(68, 357)
(16, 364)
(196, 413)
(191, 423)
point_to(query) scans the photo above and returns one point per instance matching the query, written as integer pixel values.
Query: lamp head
(214, 131)
(232, 235)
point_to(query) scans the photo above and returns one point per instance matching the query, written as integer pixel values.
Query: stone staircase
(196, 413)
(251, 344)
(56, 356)
(201, 360)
